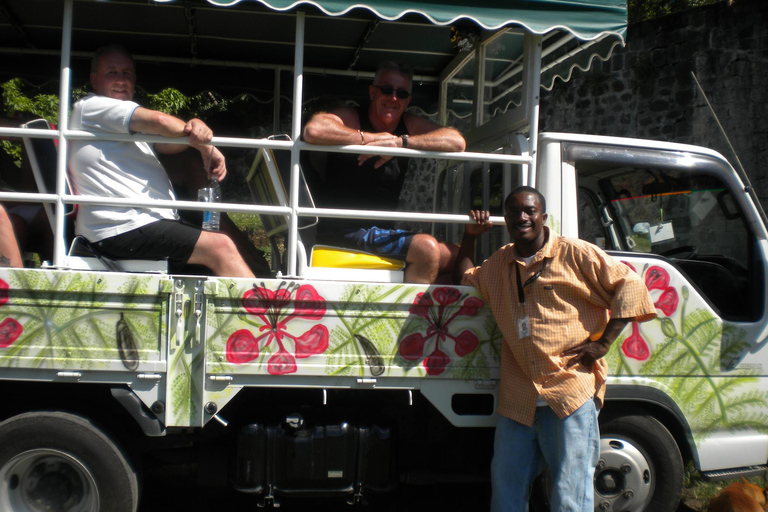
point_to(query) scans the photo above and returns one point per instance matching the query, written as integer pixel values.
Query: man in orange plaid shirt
(559, 303)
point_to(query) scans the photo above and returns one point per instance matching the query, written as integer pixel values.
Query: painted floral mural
(76, 320)
(274, 310)
(439, 308)
(10, 329)
(683, 352)
(366, 329)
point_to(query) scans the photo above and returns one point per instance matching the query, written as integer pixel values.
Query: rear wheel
(59, 461)
(640, 468)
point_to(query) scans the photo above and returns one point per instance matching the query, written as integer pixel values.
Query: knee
(224, 246)
(424, 248)
(217, 246)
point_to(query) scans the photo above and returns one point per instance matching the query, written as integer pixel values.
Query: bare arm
(340, 127)
(422, 134)
(9, 249)
(428, 136)
(464, 258)
(197, 132)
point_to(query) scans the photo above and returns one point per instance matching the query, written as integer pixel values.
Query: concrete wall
(646, 89)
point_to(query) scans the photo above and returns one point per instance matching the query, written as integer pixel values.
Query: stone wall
(646, 90)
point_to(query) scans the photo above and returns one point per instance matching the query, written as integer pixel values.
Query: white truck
(332, 380)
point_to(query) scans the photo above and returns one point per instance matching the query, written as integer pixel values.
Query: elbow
(312, 132)
(458, 142)
(308, 134)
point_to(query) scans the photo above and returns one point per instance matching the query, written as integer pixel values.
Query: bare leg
(422, 260)
(218, 252)
(448, 253)
(253, 257)
(187, 174)
(9, 249)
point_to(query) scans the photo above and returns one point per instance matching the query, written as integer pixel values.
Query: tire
(640, 468)
(60, 461)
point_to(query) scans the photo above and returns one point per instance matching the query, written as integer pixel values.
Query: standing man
(373, 182)
(551, 297)
(132, 170)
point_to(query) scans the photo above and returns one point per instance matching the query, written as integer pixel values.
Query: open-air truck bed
(103, 371)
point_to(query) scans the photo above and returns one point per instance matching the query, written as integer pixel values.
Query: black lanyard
(521, 287)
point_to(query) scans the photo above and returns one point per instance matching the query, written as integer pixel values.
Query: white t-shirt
(114, 169)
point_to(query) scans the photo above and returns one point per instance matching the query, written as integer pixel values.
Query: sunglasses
(387, 90)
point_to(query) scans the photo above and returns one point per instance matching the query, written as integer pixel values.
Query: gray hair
(391, 65)
(110, 48)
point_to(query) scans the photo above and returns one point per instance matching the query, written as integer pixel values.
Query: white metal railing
(60, 199)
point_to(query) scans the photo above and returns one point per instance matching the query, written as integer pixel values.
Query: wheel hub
(47, 481)
(622, 477)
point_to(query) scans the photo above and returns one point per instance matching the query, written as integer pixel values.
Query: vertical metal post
(485, 242)
(298, 94)
(276, 106)
(478, 107)
(532, 84)
(65, 74)
(442, 111)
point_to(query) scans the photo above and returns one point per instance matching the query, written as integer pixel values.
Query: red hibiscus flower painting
(10, 329)
(635, 346)
(276, 309)
(439, 308)
(3, 292)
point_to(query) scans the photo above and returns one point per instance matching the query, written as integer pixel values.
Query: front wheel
(640, 467)
(60, 461)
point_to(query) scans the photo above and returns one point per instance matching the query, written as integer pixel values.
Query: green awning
(586, 19)
(233, 46)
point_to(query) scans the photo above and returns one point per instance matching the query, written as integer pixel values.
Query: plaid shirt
(569, 302)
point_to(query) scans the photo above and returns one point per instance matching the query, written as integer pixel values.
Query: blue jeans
(570, 447)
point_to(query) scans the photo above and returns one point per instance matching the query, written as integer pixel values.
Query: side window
(591, 227)
(688, 217)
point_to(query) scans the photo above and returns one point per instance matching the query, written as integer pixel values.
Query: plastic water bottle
(210, 194)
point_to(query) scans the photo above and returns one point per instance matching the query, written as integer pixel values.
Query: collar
(546, 251)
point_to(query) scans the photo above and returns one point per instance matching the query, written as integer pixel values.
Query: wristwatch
(405, 140)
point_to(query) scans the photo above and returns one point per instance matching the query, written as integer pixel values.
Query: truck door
(689, 208)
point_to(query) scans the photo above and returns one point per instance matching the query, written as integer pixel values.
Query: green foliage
(22, 99)
(686, 365)
(642, 10)
(174, 102)
(19, 98)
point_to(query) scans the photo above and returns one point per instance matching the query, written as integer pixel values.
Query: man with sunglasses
(373, 182)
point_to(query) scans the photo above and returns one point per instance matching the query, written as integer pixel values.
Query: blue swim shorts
(386, 242)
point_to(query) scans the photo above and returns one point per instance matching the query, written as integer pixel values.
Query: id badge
(523, 328)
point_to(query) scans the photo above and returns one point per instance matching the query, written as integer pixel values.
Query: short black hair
(528, 190)
(392, 65)
(110, 48)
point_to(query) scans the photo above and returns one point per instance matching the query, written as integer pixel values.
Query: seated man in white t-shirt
(131, 170)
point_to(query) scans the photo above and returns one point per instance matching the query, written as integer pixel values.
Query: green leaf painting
(73, 320)
(690, 354)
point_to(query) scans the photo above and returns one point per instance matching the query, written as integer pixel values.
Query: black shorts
(158, 240)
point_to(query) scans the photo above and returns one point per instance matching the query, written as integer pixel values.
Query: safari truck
(332, 377)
